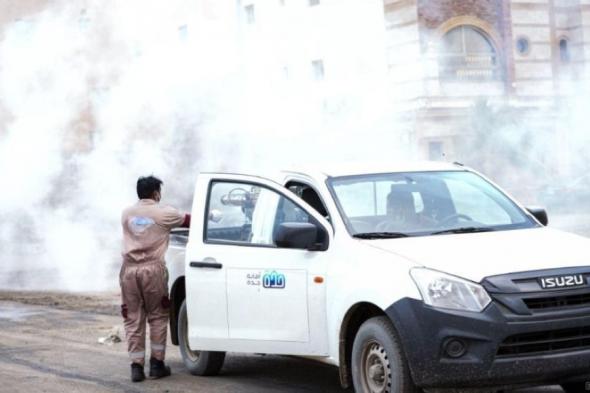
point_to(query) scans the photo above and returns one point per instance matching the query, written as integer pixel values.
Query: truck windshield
(424, 203)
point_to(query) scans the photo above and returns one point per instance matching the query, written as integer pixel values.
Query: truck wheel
(378, 362)
(200, 363)
(575, 387)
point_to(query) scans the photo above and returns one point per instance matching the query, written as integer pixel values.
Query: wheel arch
(351, 323)
(177, 296)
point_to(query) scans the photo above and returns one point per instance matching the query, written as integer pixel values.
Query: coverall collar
(147, 202)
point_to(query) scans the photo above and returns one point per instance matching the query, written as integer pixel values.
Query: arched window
(564, 50)
(468, 54)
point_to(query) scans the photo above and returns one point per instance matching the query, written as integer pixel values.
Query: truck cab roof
(338, 169)
(355, 168)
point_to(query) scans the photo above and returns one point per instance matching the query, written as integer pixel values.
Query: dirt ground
(48, 349)
(49, 343)
(104, 303)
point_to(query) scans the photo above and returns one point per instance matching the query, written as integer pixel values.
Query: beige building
(521, 56)
(453, 68)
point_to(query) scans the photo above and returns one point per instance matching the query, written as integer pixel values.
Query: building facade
(521, 54)
(450, 69)
(453, 69)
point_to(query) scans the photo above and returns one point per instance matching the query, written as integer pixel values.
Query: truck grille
(558, 301)
(545, 342)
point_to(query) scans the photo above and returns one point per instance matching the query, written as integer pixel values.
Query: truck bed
(179, 237)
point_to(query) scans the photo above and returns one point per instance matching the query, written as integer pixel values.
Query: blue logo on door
(273, 280)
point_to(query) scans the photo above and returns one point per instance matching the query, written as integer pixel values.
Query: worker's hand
(187, 221)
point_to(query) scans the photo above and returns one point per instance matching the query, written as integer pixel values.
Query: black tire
(379, 364)
(575, 387)
(201, 363)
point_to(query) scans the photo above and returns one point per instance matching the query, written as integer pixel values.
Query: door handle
(210, 265)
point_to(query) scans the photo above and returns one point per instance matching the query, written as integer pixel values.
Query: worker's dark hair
(147, 186)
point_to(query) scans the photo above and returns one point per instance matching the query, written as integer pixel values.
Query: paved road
(43, 349)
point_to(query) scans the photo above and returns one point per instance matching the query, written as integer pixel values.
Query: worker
(144, 277)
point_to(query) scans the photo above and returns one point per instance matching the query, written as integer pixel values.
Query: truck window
(310, 196)
(424, 203)
(373, 198)
(480, 206)
(241, 213)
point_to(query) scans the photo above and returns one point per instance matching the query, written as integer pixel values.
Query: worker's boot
(137, 374)
(158, 369)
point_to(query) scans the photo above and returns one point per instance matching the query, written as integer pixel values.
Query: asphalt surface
(44, 349)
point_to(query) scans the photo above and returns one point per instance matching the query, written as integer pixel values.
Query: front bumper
(425, 331)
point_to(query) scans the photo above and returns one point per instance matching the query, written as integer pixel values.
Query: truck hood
(475, 256)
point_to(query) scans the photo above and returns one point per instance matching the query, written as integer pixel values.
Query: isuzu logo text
(574, 280)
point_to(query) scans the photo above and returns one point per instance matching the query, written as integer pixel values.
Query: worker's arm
(172, 218)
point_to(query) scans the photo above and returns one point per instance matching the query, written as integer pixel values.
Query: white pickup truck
(420, 277)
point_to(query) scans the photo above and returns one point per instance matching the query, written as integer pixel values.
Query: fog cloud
(99, 94)
(94, 95)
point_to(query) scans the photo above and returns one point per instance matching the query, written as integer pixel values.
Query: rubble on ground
(113, 337)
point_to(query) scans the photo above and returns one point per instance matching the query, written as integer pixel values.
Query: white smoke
(94, 99)
(96, 95)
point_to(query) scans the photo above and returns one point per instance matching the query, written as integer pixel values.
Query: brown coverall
(144, 277)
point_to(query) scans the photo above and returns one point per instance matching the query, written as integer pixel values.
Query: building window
(250, 16)
(314, 2)
(468, 54)
(523, 46)
(564, 50)
(183, 32)
(83, 20)
(435, 151)
(318, 69)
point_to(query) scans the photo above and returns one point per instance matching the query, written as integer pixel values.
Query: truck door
(274, 297)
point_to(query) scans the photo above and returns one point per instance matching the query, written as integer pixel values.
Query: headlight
(446, 291)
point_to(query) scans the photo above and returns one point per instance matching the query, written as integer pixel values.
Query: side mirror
(300, 235)
(540, 214)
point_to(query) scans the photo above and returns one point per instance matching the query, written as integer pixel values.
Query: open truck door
(255, 269)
